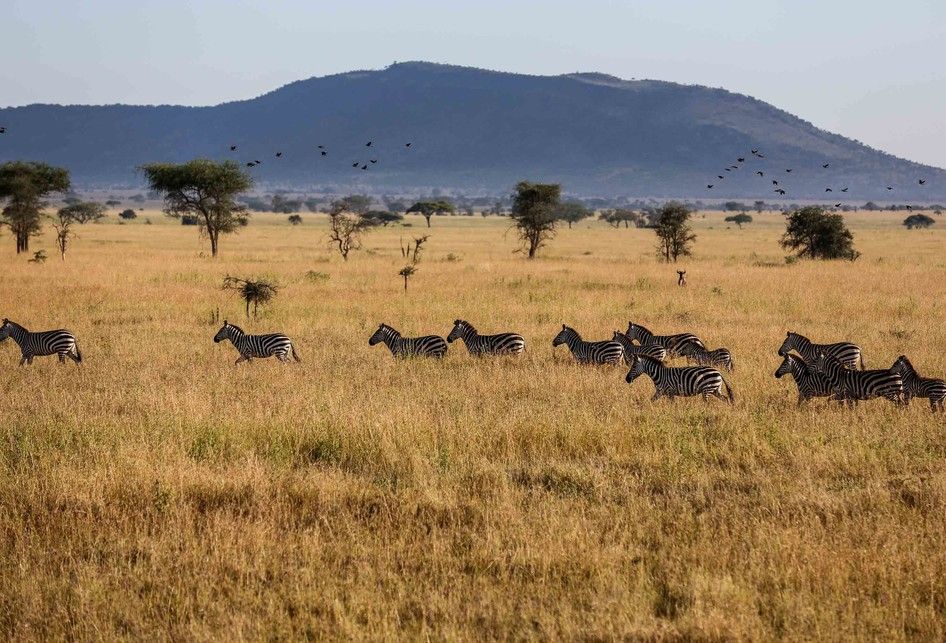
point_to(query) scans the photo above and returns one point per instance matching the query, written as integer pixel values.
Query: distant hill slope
(477, 129)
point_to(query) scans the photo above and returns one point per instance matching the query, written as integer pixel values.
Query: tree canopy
(918, 221)
(674, 235)
(429, 208)
(572, 212)
(739, 219)
(534, 207)
(26, 184)
(813, 233)
(83, 212)
(203, 188)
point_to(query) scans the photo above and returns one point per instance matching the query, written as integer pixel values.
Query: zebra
(427, 346)
(47, 342)
(478, 345)
(701, 356)
(851, 386)
(914, 385)
(845, 352)
(603, 352)
(250, 346)
(672, 343)
(656, 351)
(680, 381)
(810, 383)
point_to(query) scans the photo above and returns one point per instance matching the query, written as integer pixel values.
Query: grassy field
(158, 491)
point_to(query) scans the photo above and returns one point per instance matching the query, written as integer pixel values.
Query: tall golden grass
(160, 492)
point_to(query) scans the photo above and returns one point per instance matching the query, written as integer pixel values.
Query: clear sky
(874, 70)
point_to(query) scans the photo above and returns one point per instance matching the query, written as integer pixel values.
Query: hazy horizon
(854, 68)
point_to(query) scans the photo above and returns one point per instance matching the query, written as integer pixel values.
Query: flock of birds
(778, 187)
(835, 371)
(323, 152)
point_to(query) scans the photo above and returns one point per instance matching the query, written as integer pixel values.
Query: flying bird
(789, 170)
(909, 207)
(279, 155)
(921, 181)
(844, 189)
(368, 144)
(355, 164)
(407, 144)
(3, 130)
(754, 151)
(825, 165)
(780, 191)
(719, 176)
(837, 205)
(233, 148)
(249, 165)
(374, 160)
(774, 182)
(740, 160)
(365, 166)
(324, 153)
(321, 147)
(760, 173)
(828, 190)
(889, 188)
(709, 187)
(728, 169)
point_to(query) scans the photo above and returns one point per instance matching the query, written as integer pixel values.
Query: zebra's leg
(243, 358)
(62, 358)
(906, 398)
(801, 400)
(25, 360)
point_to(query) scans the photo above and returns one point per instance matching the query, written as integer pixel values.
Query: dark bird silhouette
(825, 165)
(365, 166)
(321, 147)
(324, 153)
(760, 156)
(257, 161)
(249, 164)
(407, 144)
(740, 160)
(774, 182)
(719, 176)
(754, 151)
(727, 169)
(709, 187)
(921, 181)
(233, 148)
(844, 189)
(909, 207)
(368, 144)
(374, 160)
(789, 170)
(3, 130)
(889, 188)
(780, 191)
(760, 173)
(837, 205)
(279, 155)
(828, 190)
(735, 167)
(355, 164)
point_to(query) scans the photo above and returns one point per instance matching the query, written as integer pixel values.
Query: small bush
(189, 219)
(128, 214)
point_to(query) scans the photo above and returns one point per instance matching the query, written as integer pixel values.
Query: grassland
(160, 492)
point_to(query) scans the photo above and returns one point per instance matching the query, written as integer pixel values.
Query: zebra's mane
(907, 364)
(235, 327)
(805, 369)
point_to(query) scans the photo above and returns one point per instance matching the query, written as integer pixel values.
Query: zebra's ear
(563, 326)
(456, 322)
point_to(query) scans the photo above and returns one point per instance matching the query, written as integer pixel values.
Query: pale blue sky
(870, 70)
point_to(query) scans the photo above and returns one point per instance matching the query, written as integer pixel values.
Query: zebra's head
(788, 344)
(564, 334)
(223, 333)
(825, 364)
(637, 369)
(383, 331)
(636, 331)
(5, 329)
(460, 328)
(788, 363)
(902, 366)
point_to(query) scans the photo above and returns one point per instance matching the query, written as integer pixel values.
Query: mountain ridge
(478, 129)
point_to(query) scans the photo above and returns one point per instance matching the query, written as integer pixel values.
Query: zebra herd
(834, 371)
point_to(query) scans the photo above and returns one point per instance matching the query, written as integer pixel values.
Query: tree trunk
(213, 244)
(427, 216)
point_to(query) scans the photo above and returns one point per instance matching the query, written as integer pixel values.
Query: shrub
(813, 233)
(918, 221)
(128, 215)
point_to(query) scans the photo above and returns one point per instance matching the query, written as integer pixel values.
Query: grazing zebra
(427, 346)
(810, 384)
(672, 343)
(915, 385)
(680, 381)
(698, 355)
(656, 351)
(851, 386)
(46, 342)
(603, 352)
(845, 352)
(250, 346)
(502, 344)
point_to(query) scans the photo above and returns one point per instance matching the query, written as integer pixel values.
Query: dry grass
(160, 492)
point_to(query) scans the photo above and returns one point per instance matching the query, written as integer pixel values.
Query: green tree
(674, 236)
(618, 216)
(346, 227)
(739, 219)
(918, 221)
(26, 184)
(381, 217)
(534, 207)
(205, 189)
(428, 209)
(572, 212)
(813, 233)
(84, 211)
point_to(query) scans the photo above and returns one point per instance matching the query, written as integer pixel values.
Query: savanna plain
(158, 491)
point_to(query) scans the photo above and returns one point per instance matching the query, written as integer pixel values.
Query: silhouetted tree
(572, 212)
(382, 217)
(739, 219)
(918, 221)
(534, 209)
(759, 206)
(84, 211)
(813, 233)
(428, 209)
(618, 216)
(26, 184)
(128, 215)
(205, 189)
(295, 219)
(674, 235)
(252, 292)
(345, 228)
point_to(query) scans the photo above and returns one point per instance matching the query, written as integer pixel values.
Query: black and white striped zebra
(810, 383)
(845, 352)
(851, 386)
(672, 343)
(427, 346)
(39, 344)
(703, 357)
(682, 381)
(656, 351)
(603, 352)
(501, 344)
(915, 385)
(249, 346)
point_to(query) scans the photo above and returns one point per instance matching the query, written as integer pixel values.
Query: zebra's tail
(732, 398)
(78, 356)
(295, 355)
(861, 357)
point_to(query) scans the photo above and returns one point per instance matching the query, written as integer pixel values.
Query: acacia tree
(346, 227)
(739, 219)
(429, 208)
(814, 233)
(533, 214)
(76, 213)
(674, 236)
(205, 189)
(26, 184)
(572, 212)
